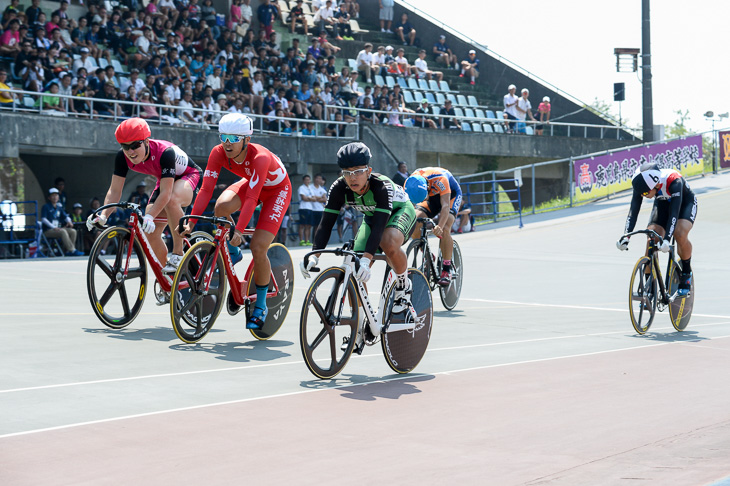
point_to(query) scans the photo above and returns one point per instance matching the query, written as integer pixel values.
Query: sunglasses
(132, 146)
(230, 138)
(354, 173)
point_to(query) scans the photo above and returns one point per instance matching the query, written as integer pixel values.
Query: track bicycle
(649, 292)
(206, 267)
(116, 274)
(332, 328)
(431, 267)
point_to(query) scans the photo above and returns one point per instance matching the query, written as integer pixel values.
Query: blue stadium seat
(491, 115)
(465, 127)
(473, 101)
(444, 86)
(452, 98)
(352, 64)
(417, 96)
(476, 127)
(402, 83)
(500, 115)
(479, 113)
(529, 130)
(390, 82)
(436, 111)
(118, 68)
(498, 128)
(469, 112)
(413, 84)
(408, 97)
(488, 128)
(430, 98)
(459, 112)
(423, 84)
(462, 100)
(440, 98)
(433, 85)
(379, 81)
(103, 63)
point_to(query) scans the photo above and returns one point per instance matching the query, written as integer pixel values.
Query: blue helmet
(416, 188)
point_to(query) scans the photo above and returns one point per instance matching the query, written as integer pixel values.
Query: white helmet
(236, 124)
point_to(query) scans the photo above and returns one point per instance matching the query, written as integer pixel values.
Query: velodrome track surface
(536, 378)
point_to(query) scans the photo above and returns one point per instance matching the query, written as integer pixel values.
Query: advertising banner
(606, 174)
(724, 149)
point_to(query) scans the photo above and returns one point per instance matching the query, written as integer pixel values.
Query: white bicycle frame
(375, 319)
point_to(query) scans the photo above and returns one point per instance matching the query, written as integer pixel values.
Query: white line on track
(298, 362)
(334, 387)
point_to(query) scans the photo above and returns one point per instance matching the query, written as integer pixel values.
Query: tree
(679, 128)
(604, 109)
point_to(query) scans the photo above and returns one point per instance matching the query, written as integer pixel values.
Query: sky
(570, 43)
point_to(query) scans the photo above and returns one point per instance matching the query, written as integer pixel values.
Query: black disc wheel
(283, 270)
(680, 309)
(642, 295)
(198, 292)
(404, 349)
(451, 293)
(329, 323)
(116, 297)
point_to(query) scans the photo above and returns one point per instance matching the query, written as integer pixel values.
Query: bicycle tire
(193, 312)
(320, 338)
(404, 349)
(680, 310)
(641, 303)
(283, 269)
(451, 293)
(415, 258)
(116, 313)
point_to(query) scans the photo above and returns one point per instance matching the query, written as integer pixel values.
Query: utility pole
(648, 110)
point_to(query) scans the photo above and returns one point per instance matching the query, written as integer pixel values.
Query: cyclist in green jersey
(388, 222)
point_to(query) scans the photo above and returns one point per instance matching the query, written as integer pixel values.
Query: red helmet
(132, 130)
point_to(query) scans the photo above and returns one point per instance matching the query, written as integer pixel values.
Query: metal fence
(492, 199)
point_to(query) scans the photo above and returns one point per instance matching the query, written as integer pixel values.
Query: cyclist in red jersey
(263, 180)
(177, 178)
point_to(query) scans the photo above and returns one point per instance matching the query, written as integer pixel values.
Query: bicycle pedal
(358, 349)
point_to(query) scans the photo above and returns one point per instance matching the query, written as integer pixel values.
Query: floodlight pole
(648, 117)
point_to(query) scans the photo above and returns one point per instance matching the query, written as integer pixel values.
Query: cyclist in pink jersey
(177, 178)
(263, 180)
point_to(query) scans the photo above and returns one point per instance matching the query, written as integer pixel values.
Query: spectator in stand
(328, 49)
(51, 105)
(405, 30)
(470, 67)
(420, 68)
(425, 121)
(319, 194)
(449, 122)
(10, 40)
(80, 89)
(306, 203)
(85, 61)
(133, 80)
(267, 13)
(464, 222)
(510, 107)
(325, 17)
(402, 67)
(543, 111)
(296, 16)
(342, 18)
(60, 185)
(367, 116)
(386, 15)
(147, 110)
(186, 113)
(139, 196)
(33, 12)
(524, 110)
(57, 224)
(351, 7)
(397, 94)
(395, 111)
(168, 113)
(442, 53)
(365, 62)
(399, 178)
(7, 99)
(334, 129)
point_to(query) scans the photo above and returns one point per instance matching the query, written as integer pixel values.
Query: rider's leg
(259, 245)
(182, 196)
(392, 245)
(684, 250)
(447, 241)
(228, 203)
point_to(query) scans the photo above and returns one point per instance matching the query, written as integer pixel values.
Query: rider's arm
(167, 181)
(259, 172)
(335, 201)
(633, 212)
(210, 178)
(674, 190)
(383, 208)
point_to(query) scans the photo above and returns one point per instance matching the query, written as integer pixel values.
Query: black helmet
(639, 184)
(353, 154)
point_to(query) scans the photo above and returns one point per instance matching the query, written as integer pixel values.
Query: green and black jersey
(384, 204)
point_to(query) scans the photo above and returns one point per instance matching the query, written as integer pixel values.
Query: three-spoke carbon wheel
(680, 309)
(404, 349)
(642, 295)
(329, 323)
(451, 293)
(198, 292)
(116, 298)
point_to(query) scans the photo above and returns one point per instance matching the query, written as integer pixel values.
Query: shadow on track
(448, 314)
(154, 334)
(365, 388)
(672, 337)
(239, 352)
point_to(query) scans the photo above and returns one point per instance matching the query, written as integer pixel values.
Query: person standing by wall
(320, 198)
(306, 198)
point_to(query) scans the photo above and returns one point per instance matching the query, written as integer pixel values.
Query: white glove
(664, 246)
(313, 260)
(363, 275)
(148, 223)
(94, 220)
(623, 243)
